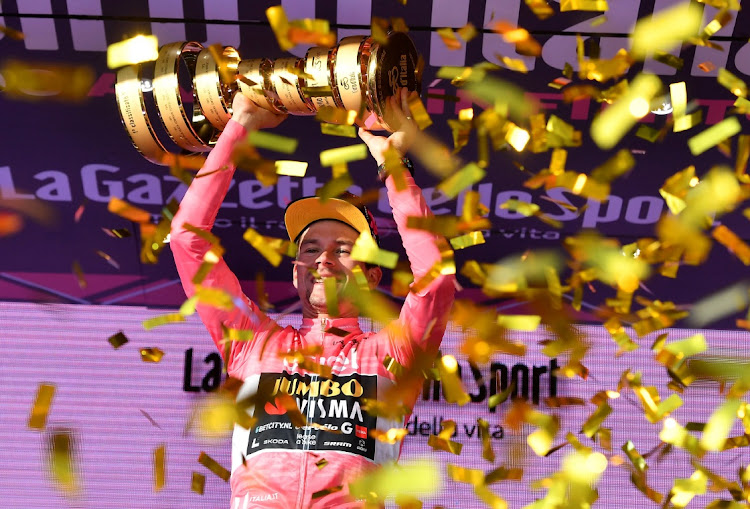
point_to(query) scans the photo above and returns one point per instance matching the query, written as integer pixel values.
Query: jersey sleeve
(199, 208)
(424, 315)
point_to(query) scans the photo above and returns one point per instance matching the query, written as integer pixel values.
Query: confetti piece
(595, 420)
(291, 168)
(732, 83)
(366, 250)
(468, 240)
(449, 38)
(109, 259)
(270, 141)
(321, 463)
(139, 49)
(336, 115)
(467, 32)
(162, 320)
(62, 461)
(198, 483)
(10, 223)
(37, 81)
(638, 461)
(160, 468)
(714, 135)
(346, 154)
(583, 5)
(316, 32)
(465, 475)
(127, 211)
(80, 276)
(484, 436)
(211, 464)
(12, 33)
(391, 436)
(119, 233)
(452, 386)
(261, 244)
(719, 425)
(467, 176)
(346, 131)
(117, 340)
(610, 126)
(326, 491)
(659, 32)
(280, 26)
(540, 8)
(150, 419)
(519, 322)
(39, 412)
(151, 354)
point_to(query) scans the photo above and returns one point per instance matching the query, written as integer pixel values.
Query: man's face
(325, 247)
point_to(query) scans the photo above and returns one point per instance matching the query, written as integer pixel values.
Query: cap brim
(305, 211)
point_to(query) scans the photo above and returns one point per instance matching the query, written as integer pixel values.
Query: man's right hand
(251, 116)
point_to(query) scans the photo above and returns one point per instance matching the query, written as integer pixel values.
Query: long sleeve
(424, 314)
(199, 208)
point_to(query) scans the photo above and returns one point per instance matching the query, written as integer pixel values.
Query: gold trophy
(359, 74)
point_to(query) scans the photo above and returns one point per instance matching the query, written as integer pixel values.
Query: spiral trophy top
(358, 74)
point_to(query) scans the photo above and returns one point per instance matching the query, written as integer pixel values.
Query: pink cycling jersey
(275, 464)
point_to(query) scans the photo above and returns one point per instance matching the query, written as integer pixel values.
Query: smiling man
(328, 366)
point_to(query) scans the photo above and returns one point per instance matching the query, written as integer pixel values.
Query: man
(275, 464)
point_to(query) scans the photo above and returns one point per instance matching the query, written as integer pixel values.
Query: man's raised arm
(424, 314)
(198, 209)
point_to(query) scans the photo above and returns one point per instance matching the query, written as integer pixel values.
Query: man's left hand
(402, 139)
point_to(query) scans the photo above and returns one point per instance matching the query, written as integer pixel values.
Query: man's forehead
(328, 229)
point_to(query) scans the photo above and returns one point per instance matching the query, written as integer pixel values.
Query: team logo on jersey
(360, 431)
(275, 407)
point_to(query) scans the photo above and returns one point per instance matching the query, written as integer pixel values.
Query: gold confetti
(669, 59)
(42, 403)
(609, 126)
(467, 32)
(452, 386)
(261, 244)
(127, 211)
(732, 242)
(419, 112)
(151, 354)
(470, 239)
(160, 468)
(346, 154)
(583, 5)
(714, 135)
(291, 168)
(139, 49)
(118, 233)
(12, 33)
(326, 491)
(540, 8)
(321, 463)
(442, 441)
(62, 461)
(80, 276)
(465, 475)
(391, 436)
(162, 320)
(270, 141)
(638, 461)
(336, 115)
(109, 259)
(37, 81)
(316, 32)
(280, 26)
(525, 43)
(484, 436)
(366, 250)
(719, 425)
(449, 38)
(659, 32)
(211, 464)
(198, 483)
(10, 223)
(117, 340)
(732, 83)
(595, 420)
(519, 322)
(346, 131)
(467, 176)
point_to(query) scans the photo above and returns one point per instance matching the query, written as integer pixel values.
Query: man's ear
(374, 275)
(294, 273)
